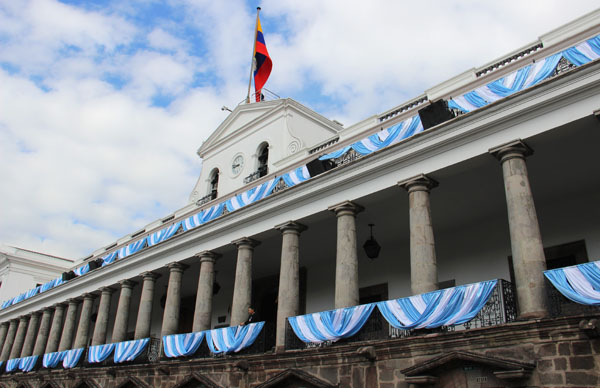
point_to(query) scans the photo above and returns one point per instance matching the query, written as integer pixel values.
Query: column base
(533, 315)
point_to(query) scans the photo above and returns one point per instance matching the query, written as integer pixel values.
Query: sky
(103, 104)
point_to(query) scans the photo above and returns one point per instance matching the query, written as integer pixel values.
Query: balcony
(262, 171)
(499, 309)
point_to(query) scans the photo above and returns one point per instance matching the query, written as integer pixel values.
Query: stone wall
(548, 352)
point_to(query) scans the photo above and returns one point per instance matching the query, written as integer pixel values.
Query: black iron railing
(207, 198)
(262, 171)
(560, 306)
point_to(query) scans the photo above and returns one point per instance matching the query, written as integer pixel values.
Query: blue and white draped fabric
(32, 292)
(82, 270)
(451, 306)
(296, 176)
(526, 77)
(584, 52)
(51, 284)
(580, 283)
(381, 139)
(163, 234)
(99, 353)
(254, 194)
(12, 365)
(19, 298)
(51, 360)
(233, 339)
(28, 363)
(110, 258)
(132, 248)
(129, 350)
(203, 217)
(6, 303)
(331, 325)
(71, 358)
(182, 345)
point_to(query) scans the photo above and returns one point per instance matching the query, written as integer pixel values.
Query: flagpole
(253, 53)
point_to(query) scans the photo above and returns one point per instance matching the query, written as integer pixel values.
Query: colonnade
(54, 328)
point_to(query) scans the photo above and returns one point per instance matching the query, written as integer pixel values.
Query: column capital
(513, 149)
(177, 267)
(58, 305)
(106, 290)
(208, 256)
(23, 318)
(150, 275)
(127, 283)
(346, 208)
(419, 182)
(246, 242)
(5, 323)
(291, 226)
(38, 313)
(89, 296)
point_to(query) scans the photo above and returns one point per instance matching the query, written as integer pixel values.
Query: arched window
(263, 159)
(213, 185)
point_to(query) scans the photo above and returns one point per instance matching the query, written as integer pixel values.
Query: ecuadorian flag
(262, 61)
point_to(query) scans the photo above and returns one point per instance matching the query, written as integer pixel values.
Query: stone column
(55, 328)
(66, 339)
(529, 261)
(83, 329)
(170, 324)
(346, 258)
(119, 333)
(423, 263)
(99, 336)
(144, 317)
(19, 338)
(242, 289)
(3, 331)
(32, 329)
(289, 278)
(10, 340)
(204, 295)
(42, 335)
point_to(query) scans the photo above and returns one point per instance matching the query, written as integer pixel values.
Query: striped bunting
(82, 270)
(71, 358)
(451, 306)
(203, 217)
(12, 365)
(381, 139)
(254, 194)
(132, 248)
(51, 360)
(233, 339)
(163, 234)
(28, 363)
(99, 353)
(580, 283)
(129, 350)
(182, 345)
(296, 176)
(331, 325)
(526, 77)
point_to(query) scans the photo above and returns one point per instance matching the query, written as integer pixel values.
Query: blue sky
(103, 104)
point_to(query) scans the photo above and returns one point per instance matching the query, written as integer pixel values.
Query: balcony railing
(499, 309)
(262, 171)
(207, 198)
(560, 306)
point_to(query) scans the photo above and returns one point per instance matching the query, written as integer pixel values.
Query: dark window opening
(214, 184)
(559, 256)
(263, 160)
(371, 294)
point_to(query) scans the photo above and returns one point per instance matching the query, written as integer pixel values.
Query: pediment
(246, 118)
(292, 378)
(430, 371)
